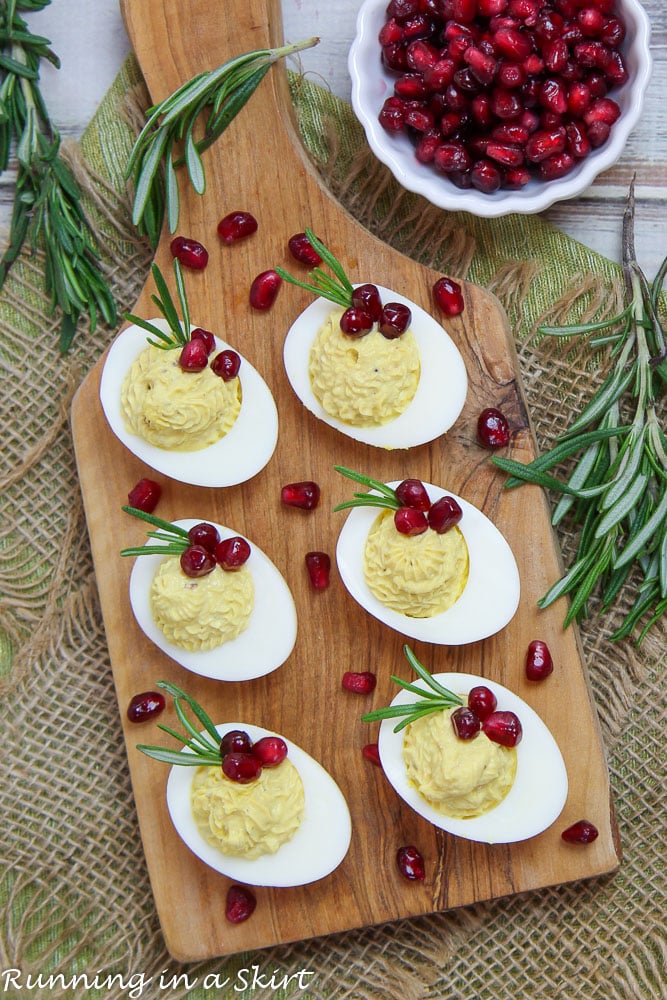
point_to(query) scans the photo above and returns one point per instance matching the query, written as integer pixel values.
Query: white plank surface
(91, 42)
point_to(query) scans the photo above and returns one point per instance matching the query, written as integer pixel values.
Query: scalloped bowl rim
(370, 87)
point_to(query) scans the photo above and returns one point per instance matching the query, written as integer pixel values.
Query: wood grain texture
(259, 166)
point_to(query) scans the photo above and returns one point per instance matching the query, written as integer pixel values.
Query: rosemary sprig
(433, 698)
(337, 289)
(180, 328)
(205, 746)
(176, 538)
(617, 490)
(384, 495)
(47, 210)
(167, 140)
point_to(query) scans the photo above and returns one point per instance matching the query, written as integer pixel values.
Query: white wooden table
(90, 39)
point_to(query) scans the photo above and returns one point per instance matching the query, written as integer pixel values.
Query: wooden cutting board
(259, 166)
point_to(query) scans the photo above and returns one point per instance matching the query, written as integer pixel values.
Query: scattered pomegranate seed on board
(539, 662)
(236, 226)
(493, 429)
(411, 863)
(264, 289)
(302, 250)
(449, 297)
(145, 706)
(359, 682)
(190, 253)
(305, 495)
(581, 832)
(372, 754)
(240, 904)
(318, 565)
(145, 495)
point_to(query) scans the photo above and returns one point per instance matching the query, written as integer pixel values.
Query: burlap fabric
(74, 894)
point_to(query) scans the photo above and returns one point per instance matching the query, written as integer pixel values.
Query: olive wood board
(259, 165)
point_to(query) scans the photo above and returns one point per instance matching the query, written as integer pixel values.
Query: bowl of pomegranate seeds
(499, 106)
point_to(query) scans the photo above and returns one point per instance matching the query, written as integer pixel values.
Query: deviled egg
(230, 625)
(440, 572)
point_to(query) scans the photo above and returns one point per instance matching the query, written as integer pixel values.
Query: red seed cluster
(243, 759)
(367, 310)
(207, 550)
(480, 715)
(195, 354)
(496, 92)
(417, 514)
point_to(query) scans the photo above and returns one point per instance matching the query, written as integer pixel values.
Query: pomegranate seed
(557, 166)
(482, 67)
(372, 753)
(452, 156)
(367, 298)
(598, 133)
(194, 356)
(236, 226)
(449, 296)
(392, 115)
(504, 154)
(493, 430)
(466, 723)
(302, 250)
(491, 8)
(578, 143)
(482, 701)
(578, 98)
(145, 706)
(145, 495)
(241, 767)
(355, 322)
(409, 521)
(581, 832)
(394, 320)
(403, 8)
(444, 514)
(512, 44)
(504, 728)
(511, 75)
(539, 663)
(239, 904)
(438, 76)
(421, 56)
(426, 147)
(553, 96)
(318, 565)
(197, 561)
(305, 495)
(593, 54)
(206, 337)
(394, 58)
(517, 177)
(232, 553)
(543, 144)
(264, 289)
(410, 87)
(189, 253)
(235, 741)
(485, 176)
(613, 32)
(204, 534)
(419, 119)
(270, 750)
(410, 863)
(412, 493)
(359, 682)
(591, 21)
(390, 33)
(602, 110)
(615, 70)
(226, 365)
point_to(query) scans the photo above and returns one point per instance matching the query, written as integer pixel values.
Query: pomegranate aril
(517, 177)
(241, 767)
(239, 904)
(410, 521)
(604, 109)
(578, 98)
(226, 365)
(235, 741)
(440, 74)
(391, 32)
(145, 495)
(318, 565)
(232, 553)
(616, 71)
(264, 289)
(359, 682)
(491, 8)
(598, 133)
(578, 142)
(410, 87)
(270, 750)
(591, 21)
(613, 32)
(539, 662)
(553, 96)
(426, 147)
(482, 701)
(506, 104)
(371, 753)
(503, 728)
(197, 561)
(421, 56)
(556, 166)
(302, 250)
(392, 115)
(449, 296)
(411, 863)
(145, 706)
(444, 514)
(394, 320)
(504, 154)
(193, 356)
(394, 58)
(511, 74)
(190, 253)
(593, 54)
(419, 119)
(305, 495)
(204, 534)
(512, 43)
(452, 156)
(466, 723)
(236, 226)
(543, 144)
(207, 338)
(356, 322)
(367, 297)
(483, 67)
(581, 832)
(485, 176)
(412, 493)
(493, 430)
(403, 8)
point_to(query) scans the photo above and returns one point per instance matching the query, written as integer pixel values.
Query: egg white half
(233, 459)
(261, 648)
(440, 395)
(315, 850)
(490, 596)
(536, 798)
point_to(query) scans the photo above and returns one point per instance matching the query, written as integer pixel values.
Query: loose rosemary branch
(47, 210)
(337, 289)
(617, 490)
(180, 327)
(205, 746)
(167, 140)
(433, 698)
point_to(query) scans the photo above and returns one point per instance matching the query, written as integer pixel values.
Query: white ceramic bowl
(372, 84)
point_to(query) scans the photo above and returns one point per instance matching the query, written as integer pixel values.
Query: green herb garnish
(617, 490)
(337, 289)
(384, 496)
(176, 538)
(433, 698)
(180, 328)
(205, 746)
(167, 140)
